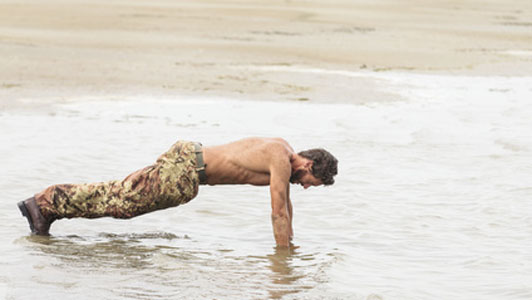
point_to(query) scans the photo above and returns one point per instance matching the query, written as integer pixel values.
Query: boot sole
(26, 214)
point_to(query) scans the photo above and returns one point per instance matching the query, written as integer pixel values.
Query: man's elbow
(279, 215)
(279, 211)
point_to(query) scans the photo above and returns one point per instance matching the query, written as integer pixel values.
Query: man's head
(319, 168)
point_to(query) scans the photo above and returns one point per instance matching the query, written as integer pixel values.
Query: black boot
(39, 225)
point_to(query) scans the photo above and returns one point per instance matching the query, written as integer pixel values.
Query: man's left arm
(290, 211)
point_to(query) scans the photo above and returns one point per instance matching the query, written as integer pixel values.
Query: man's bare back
(247, 161)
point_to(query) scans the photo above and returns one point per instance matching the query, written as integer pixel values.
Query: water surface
(432, 200)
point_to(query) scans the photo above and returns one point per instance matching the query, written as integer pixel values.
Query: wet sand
(57, 50)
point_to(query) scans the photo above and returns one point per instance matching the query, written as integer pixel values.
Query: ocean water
(432, 199)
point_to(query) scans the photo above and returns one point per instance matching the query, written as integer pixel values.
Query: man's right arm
(290, 211)
(280, 171)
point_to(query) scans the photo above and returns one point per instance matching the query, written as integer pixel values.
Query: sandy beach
(62, 50)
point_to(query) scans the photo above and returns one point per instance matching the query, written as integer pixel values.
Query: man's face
(305, 178)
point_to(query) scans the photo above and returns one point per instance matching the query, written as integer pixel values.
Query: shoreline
(360, 87)
(372, 88)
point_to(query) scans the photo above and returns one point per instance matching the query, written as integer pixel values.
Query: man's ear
(308, 164)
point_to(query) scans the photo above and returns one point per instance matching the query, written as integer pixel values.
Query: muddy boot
(39, 225)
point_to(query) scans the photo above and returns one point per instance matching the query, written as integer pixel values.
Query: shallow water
(432, 200)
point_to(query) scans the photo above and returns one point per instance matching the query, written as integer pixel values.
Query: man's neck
(297, 161)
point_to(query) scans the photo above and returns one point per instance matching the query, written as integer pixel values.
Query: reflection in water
(281, 264)
(103, 251)
(164, 265)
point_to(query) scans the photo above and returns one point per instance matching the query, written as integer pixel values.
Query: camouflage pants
(171, 181)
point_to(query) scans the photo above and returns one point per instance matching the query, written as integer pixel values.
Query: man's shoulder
(263, 143)
(277, 144)
(278, 151)
(279, 140)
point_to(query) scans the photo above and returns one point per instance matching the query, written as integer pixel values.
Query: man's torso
(245, 161)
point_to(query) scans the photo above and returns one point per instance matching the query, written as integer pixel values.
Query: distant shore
(56, 51)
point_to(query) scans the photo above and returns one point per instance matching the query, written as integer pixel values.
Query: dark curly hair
(325, 165)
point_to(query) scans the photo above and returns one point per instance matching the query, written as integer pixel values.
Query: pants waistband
(200, 163)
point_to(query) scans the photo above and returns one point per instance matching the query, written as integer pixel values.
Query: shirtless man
(175, 178)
